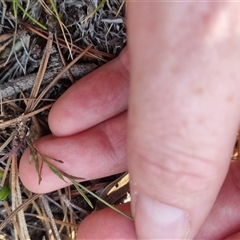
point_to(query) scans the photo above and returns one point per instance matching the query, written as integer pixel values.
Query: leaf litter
(45, 46)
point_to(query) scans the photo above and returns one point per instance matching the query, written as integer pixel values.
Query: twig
(93, 53)
(58, 222)
(26, 82)
(71, 205)
(46, 224)
(13, 121)
(63, 60)
(14, 150)
(15, 224)
(50, 216)
(24, 204)
(10, 138)
(65, 212)
(56, 79)
(17, 199)
(5, 174)
(40, 74)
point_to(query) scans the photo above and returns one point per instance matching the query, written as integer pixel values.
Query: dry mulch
(63, 54)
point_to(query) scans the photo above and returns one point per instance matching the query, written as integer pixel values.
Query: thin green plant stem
(101, 4)
(100, 199)
(35, 157)
(62, 26)
(16, 5)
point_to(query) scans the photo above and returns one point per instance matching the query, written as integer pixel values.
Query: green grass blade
(29, 16)
(82, 193)
(14, 3)
(101, 200)
(5, 191)
(101, 4)
(62, 26)
(55, 170)
(76, 184)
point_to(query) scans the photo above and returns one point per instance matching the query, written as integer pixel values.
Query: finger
(94, 153)
(224, 218)
(183, 112)
(234, 236)
(222, 221)
(98, 96)
(107, 224)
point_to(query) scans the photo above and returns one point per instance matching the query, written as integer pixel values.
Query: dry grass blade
(70, 229)
(65, 212)
(119, 10)
(4, 8)
(13, 151)
(17, 198)
(63, 60)
(3, 47)
(114, 191)
(35, 206)
(55, 13)
(62, 26)
(35, 123)
(54, 81)
(26, 116)
(1, 105)
(40, 74)
(23, 205)
(67, 224)
(236, 150)
(5, 37)
(72, 205)
(25, 100)
(14, 222)
(46, 224)
(5, 174)
(93, 53)
(50, 216)
(10, 138)
(72, 217)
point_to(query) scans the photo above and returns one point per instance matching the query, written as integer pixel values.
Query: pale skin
(177, 136)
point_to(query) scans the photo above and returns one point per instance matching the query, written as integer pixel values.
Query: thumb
(183, 116)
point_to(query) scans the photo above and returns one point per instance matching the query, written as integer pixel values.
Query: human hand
(182, 121)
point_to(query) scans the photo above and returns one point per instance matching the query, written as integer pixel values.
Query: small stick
(13, 151)
(50, 216)
(55, 80)
(24, 83)
(24, 204)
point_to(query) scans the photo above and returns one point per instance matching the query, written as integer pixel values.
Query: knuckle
(176, 171)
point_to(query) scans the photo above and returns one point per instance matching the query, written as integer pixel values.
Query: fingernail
(155, 220)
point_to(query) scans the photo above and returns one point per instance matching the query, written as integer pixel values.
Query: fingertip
(28, 173)
(25, 170)
(156, 220)
(92, 154)
(107, 224)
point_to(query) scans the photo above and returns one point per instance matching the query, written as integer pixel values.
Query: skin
(177, 137)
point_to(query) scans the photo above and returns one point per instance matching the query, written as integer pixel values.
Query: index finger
(98, 96)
